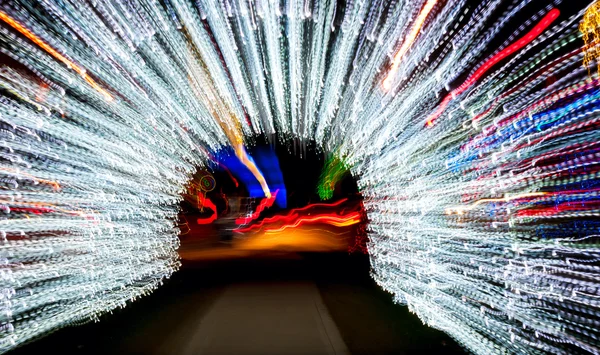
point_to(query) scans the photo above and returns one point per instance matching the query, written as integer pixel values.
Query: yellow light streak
(462, 209)
(408, 41)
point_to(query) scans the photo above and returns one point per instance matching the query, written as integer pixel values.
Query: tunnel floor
(283, 304)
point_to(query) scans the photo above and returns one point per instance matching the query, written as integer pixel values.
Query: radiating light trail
(35, 39)
(108, 108)
(407, 43)
(55, 185)
(550, 17)
(462, 209)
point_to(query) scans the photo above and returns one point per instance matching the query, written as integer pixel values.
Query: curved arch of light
(478, 158)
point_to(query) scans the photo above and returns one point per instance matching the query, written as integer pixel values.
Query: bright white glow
(483, 221)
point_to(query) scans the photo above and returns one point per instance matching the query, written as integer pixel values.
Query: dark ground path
(294, 304)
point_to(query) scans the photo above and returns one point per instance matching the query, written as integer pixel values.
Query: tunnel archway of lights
(472, 128)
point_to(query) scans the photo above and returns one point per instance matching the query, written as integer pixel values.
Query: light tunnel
(471, 128)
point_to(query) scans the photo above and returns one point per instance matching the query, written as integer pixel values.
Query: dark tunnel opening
(226, 214)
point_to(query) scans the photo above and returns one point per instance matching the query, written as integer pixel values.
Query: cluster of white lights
(471, 126)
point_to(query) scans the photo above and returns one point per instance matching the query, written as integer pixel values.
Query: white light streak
(485, 223)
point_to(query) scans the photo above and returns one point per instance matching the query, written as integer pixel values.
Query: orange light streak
(55, 185)
(297, 240)
(235, 137)
(240, 152)
(35, 39)
(408, 41)
(185, 224)
(461, 209)
(334, 220)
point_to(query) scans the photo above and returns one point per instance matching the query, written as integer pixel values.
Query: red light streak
(210, 205)
(290, 216)
(286, 218)
(519, 44)
(266, 202)
(547, 68)
(213, 158)
(37, 211)
(337, 203)
(562, 207)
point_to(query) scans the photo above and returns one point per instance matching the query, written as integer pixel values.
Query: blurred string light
(408, 41)
(479, 165)
(35, 39)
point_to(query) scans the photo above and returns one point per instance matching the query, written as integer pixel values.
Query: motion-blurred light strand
(471, 127)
